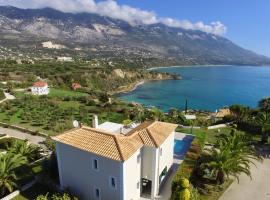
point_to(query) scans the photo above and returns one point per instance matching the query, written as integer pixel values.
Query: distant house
(65, 59)
(219, 115)
(75, 86)
(190, 117)
(223, 113)
(40, 88)
(110, 161)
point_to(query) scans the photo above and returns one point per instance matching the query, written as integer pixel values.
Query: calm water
(205, 88)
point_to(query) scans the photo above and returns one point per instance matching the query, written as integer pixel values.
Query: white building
(110, 162)
(40, 88)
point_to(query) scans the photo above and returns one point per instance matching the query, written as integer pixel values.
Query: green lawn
(210, 135)
(59, 93)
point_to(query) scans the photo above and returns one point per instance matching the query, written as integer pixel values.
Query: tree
(264, 104)
(156, 114)
(263, 120)
(21, 147)
(232, 155)
(8, 163)
(240, 113)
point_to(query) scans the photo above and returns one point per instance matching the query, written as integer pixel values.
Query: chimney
(122, 130)
(95, 121)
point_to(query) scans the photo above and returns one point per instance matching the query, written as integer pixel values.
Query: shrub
(2, 95)
(195, 149)
(6, 143)
(193, 156)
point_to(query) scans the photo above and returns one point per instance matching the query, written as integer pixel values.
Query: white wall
(147, 165)
(166, 158)
(132, 176)
(77, 174)
(40, 90)
(160, 161)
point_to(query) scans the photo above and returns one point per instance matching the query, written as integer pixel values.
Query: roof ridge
(151, 136)
(118, 147)
(101, 131)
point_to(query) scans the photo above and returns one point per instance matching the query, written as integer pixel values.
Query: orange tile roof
(223, 112)
(40, 84)
(117, 146)
(76, 85)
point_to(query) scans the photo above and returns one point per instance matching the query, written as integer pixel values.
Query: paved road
(256, 189)
(20, 135)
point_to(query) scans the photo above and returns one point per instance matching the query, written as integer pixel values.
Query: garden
(208, 170)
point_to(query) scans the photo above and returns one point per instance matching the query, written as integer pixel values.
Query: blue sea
(205, 88)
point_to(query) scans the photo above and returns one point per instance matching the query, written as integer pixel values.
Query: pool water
(181, 146)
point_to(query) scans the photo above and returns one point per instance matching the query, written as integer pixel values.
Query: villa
(111, 161)
(40, 88)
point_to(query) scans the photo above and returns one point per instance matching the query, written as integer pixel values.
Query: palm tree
(231, 156)
(241, 113)
(21, 147)
(264, 104)
(157, 114)
(8, 163)
(263, 120)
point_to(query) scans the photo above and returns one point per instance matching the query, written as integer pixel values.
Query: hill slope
(24, 31)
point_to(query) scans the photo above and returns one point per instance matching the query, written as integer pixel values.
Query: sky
(245, 22)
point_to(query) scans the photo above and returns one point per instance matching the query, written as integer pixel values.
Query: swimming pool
(181, 146)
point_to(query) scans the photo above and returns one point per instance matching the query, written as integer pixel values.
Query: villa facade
(110, 161)
(40, 88)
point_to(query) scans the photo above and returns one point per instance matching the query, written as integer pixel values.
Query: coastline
(133, 86)
(183, 66)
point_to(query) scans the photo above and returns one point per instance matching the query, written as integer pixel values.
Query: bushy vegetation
(2, 95)
(209, 170)
(64, 196)
(16, 168)
(62, 75)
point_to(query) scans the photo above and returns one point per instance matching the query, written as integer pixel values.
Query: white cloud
(112, 9)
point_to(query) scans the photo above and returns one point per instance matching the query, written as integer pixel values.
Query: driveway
(8, 97)
(256, 189)
(20, 135)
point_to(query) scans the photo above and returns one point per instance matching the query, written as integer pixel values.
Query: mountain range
(47, 33)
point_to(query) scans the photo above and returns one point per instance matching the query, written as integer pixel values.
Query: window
(138, 185)
(95, 164)
(138, 158)
(113, 182)
(96, 193)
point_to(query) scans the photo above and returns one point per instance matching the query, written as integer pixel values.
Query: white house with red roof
(40, 88)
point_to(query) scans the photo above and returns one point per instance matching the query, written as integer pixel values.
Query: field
(55, 113)
(59, 93)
